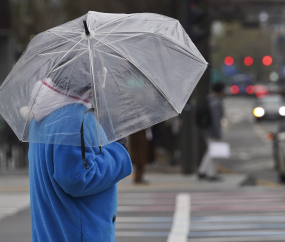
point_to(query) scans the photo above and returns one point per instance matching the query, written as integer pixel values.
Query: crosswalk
(243, 215)
(212, 216)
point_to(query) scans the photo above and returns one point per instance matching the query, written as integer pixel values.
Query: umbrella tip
(86, 28)
(209, 65)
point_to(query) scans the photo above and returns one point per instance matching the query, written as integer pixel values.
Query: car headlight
(282, 111)
(258, 112)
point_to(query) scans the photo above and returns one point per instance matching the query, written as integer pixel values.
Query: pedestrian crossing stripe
(275, 218)
(238, 239)
(209, 234)
(202, 226)
(180, 225)
(237, 208)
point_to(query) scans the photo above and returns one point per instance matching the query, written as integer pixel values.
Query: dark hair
(218, 87)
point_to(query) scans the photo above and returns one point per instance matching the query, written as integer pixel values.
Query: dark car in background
(241, 84)
(279, 151)
(269, 107)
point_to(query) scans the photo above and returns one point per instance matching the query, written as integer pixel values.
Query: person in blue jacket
(70, 203)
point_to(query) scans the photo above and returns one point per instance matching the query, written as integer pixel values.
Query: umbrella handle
(82, 140)
(86, 28)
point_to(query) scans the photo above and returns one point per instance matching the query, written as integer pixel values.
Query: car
(279, 151)
(269, 107)
(241, 84)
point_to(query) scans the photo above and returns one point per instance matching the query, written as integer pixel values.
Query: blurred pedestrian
(139, 152)
(72, 201)
(212, 129)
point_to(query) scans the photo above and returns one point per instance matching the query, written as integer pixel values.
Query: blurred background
(244, 42)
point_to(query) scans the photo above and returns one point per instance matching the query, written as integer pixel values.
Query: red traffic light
(229, 61)
(267, 60)
(248, 61)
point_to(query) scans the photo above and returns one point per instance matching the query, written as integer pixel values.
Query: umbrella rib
(118, 40)
(66, 37)
(67, 32)
(119, 57)
(144, 51)
(63, 57)
(60, 52)
(190, 56)
(111, 31)
(69, 61)
(156, 34)
(194, 57)
(38, 53)
(77, 25)
(162, 93)
(64, 43)
(116, 33)
(128, 16)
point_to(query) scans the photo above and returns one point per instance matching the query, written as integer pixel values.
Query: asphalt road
(251, 152)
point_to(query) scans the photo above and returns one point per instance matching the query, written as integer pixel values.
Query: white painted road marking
(181, 220)
(240, 239)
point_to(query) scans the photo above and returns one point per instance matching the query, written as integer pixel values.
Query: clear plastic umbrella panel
(134, 70)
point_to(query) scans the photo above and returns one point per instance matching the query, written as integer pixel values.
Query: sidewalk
(18, 181)
(14, 181)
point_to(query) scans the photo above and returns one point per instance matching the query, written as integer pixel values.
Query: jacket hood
(46, 98)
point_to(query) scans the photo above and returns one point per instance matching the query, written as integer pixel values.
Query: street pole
(203, 86)
(193, 146)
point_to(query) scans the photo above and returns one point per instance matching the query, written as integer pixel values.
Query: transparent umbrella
(130, 70)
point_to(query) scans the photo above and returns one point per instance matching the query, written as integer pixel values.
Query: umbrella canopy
(134, 70)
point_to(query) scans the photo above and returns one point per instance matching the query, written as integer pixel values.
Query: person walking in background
(212, 131)
(139, 152)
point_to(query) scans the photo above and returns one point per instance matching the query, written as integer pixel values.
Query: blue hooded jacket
(68, 202)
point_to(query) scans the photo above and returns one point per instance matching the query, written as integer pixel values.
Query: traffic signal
(267, 60)
(195, 15)
(5, 21)
(248, 61)
(229, 61)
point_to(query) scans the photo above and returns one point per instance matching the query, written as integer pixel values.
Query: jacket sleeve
(106, 168)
